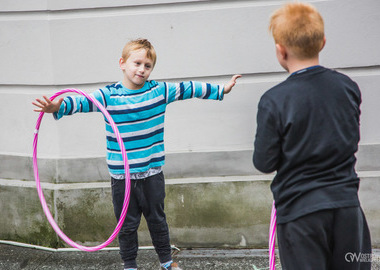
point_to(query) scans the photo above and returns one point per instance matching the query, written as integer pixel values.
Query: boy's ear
(323, 44)
(122, 63)
(281, 52)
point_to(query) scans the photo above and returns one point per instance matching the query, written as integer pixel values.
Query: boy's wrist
(221, 91)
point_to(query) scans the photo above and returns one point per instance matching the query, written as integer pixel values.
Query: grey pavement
(29, 258)
(16, 257)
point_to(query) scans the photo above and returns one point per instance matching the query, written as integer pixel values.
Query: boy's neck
(297, 64)
(131, 86)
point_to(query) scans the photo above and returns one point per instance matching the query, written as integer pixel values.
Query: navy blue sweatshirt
(308, 132)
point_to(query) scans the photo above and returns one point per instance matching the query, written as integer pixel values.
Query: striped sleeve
(79, 104)
(193, 89)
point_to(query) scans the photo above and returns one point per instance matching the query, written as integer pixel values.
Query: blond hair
(138, 44)
(300, 27)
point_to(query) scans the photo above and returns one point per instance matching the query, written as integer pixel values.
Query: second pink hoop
(127, 176)
(272, 238)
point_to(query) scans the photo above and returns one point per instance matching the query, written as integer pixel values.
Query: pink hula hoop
(272, 238)
(127, 177)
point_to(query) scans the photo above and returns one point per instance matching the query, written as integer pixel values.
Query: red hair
(300, 27)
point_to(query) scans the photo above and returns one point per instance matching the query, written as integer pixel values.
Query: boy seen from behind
(308, 132)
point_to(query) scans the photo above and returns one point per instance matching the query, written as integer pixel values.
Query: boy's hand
(228, 86)
(47, 105)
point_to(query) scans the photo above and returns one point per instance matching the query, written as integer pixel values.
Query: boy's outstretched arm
(46, 105)
(228, 86)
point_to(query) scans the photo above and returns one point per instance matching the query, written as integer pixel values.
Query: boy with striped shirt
(138, 108)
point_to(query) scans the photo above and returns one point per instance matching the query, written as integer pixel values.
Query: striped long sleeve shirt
(139, 116)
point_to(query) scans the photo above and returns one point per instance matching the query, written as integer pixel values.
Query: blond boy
(308, 132)
(137, 105)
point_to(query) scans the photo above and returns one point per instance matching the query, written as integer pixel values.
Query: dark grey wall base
(211, 212)
(213, 200)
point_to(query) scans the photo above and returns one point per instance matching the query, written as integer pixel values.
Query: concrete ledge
(178, 165)
(55, 170)
(368, 157)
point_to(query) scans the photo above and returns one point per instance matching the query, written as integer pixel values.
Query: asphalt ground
(14, 257)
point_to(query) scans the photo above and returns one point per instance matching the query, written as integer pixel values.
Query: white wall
(50, 45)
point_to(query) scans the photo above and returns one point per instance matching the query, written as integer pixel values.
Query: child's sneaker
(175, 266)
(170, 266)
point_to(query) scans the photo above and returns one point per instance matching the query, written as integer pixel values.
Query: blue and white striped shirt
(139, 116)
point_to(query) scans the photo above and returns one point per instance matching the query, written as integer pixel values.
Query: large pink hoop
(127, 177)
(272, 238)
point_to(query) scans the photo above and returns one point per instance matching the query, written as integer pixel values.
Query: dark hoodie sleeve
(266, 156)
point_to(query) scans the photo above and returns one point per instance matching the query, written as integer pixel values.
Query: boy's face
(136, 69)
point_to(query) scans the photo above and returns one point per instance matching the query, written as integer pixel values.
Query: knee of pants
(128, 229)
(158, 227)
